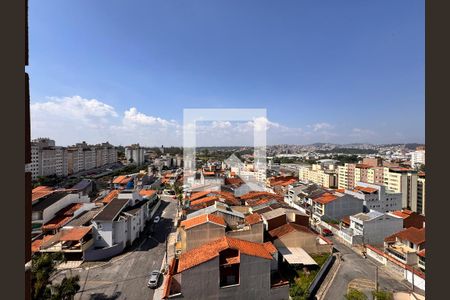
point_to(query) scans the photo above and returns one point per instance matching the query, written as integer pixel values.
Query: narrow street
(125, 276)
(360, 273)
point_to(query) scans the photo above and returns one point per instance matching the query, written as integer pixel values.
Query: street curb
(328, 283)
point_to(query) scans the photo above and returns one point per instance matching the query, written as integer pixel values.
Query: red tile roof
(411, 234)
(346, 220)
(366, 189)
(211, 250)
(270, 247)
(112, 195)
(198, 195)
(35, 245)
(122, 179)
(288, 228)
(363, 166)
(40, 191)
(255, 194)
(205, 200)
(74, 234)
(253, 219)
(147, 193)
(233, 181)
(202, 219)
(325, 198)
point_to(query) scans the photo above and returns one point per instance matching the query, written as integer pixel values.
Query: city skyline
(320, 77)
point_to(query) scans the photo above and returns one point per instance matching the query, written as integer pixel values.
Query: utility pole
(376, 278)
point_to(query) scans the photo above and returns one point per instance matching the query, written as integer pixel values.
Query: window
(100, 226)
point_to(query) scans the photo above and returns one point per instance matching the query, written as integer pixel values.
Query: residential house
(370, 228)
(296, 243)
(410, 218)
(334, 206)
(405, 244)
(375, 197)
(46, 203)
(280, 216)
(227, 268)
(73, 242)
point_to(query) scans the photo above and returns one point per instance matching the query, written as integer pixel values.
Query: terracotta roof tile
(325, 198)
(288, 228)
(270, 247)
(253, 219)
(366, 189)
(74, 234)
(411, 234)
(147, 193)
(202, 219)
(254, 194)
(41, 191)
(198, 195)
(211, 250)
(108, 198)
(204, 200)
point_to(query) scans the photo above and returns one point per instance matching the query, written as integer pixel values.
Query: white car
(156, 219)
(153, 280)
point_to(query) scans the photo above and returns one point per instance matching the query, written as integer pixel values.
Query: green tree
(383, 295)
(67, 289)
(354, 294)
(42, 268)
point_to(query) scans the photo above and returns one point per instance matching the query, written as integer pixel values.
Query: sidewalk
(171, 241)
(323, 290)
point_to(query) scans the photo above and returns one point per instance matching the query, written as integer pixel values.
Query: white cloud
(320, 126)
(73, 119)
(134, 117)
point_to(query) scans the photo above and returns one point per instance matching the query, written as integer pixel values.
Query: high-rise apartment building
(134, 154)
(418, 158)
(48, 159)
(326, 176)
(395, 179)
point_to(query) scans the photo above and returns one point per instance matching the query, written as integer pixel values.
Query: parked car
(327, 232)
(156, 219)
(154, 278)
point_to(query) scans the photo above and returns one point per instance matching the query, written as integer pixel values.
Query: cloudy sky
(327, 71)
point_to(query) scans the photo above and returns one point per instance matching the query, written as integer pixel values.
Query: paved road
(359, 272)
(126, 277)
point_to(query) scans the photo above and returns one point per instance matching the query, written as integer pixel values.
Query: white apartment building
(134, 154)
(48, 159)
(371, 228)
(326, 175)
(375, 197)
(417, 158)
(396, 179)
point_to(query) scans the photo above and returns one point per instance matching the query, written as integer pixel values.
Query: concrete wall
(377, 230)
(307, 241)
(254, 234)
(104, 253)
(103, 234)
(202, 282)
(345, 206)
(201, 234)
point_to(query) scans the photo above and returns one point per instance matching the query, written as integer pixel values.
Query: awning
(296, 256)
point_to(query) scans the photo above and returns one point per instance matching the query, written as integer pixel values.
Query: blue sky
(326, 71)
